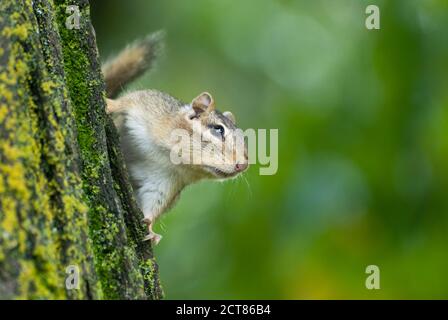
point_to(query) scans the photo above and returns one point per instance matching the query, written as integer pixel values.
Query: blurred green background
(363, 146)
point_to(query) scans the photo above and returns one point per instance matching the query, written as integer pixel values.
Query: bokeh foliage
(363, 147)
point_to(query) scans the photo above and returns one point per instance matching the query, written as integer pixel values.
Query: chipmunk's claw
(151, 236)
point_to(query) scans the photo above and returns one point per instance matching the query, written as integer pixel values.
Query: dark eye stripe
(228, 124)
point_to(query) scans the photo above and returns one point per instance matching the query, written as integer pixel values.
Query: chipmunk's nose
(241, 167)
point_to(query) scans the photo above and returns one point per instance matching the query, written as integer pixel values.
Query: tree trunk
(65, 198)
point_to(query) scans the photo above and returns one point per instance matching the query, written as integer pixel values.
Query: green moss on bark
(43, 218)
(60, 202)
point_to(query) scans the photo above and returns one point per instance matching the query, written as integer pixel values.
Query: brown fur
(132, 62)
(146, 120)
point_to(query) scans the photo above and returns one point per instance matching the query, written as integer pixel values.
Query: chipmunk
(145, 120)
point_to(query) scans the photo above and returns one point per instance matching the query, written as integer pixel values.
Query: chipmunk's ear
(203, 103)
(229, 115)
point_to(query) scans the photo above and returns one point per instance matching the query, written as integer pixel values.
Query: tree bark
(65, 197)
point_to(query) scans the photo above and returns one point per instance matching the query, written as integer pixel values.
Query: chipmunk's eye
(218, 129)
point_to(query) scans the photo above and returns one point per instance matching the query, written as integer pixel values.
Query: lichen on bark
(65, 198)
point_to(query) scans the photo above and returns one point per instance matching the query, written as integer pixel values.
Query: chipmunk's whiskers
(248, 185)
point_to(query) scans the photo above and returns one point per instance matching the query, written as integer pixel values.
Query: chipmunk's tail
(132, 62)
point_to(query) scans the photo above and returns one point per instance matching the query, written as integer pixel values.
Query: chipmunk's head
(218, 147)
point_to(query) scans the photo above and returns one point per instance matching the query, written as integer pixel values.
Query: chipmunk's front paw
(151, 236)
